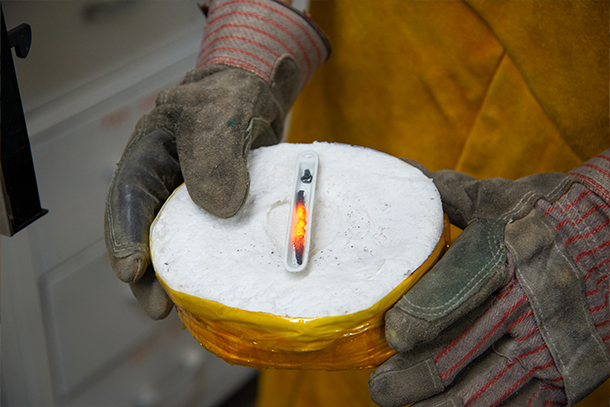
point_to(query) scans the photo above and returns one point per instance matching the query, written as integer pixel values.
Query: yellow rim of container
(263, 340)
(298, 334)
(302, 329)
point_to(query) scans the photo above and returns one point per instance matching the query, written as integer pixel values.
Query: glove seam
(571, 384)
(438, 384)
(130, 248)
(116, 247)
(592, 184)
(578, 273)
(509, 215)
(537, 309)
(495, 259)
(539, 316)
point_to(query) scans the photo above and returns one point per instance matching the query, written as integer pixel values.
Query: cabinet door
(73, 333)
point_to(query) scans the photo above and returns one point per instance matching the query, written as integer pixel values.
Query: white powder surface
(376, 219)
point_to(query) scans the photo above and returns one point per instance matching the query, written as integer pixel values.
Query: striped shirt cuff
(253, 34)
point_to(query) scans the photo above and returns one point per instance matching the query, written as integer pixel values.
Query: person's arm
(516, 312)
(256, 56)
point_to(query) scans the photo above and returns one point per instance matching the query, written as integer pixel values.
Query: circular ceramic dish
(377, 226)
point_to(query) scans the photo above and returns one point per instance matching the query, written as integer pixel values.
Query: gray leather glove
(516, 312)
(201, 131)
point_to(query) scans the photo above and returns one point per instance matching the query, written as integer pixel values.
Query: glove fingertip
(152, 297)
(131, 268)
(404, 332)
(419, 166)
(403, 380)
(161, 308)
(223, 196)
(397, 330)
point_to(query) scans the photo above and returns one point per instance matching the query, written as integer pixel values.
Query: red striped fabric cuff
(595, 174)
(253, 34)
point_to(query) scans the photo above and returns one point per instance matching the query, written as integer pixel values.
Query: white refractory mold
(376, 220)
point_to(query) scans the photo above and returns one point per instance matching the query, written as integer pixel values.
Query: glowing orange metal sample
(299, 223)
(300, 228)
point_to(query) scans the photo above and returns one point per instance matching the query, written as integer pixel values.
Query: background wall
(72, 333)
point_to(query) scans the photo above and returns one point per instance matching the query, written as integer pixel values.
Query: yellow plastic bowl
(262, 340)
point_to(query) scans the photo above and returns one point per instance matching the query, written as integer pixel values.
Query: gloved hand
(516, 312)
(255, 58)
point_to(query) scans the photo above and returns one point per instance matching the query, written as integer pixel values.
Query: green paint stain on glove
(231, 121)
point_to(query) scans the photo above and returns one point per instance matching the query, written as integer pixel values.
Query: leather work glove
(516, 312)
(255, 58)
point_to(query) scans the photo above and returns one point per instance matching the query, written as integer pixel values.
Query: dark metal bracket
(20, 205)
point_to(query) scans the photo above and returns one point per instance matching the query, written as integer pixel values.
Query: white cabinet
(72, 333)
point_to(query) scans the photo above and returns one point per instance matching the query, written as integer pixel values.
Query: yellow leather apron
(490, 88)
